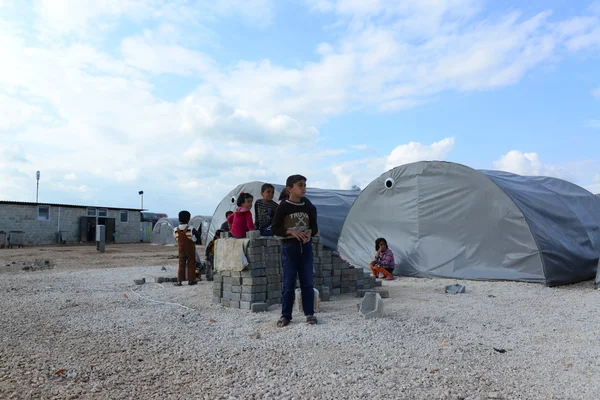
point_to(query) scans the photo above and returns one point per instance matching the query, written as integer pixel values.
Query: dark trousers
(297, 260)
(266, 231)
(187, 260)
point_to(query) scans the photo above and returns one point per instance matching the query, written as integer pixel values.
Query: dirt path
(86, 256)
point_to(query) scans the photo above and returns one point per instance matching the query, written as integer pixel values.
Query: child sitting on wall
(264, 210)
(241, 220)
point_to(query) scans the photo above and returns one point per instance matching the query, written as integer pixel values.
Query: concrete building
(43, 224)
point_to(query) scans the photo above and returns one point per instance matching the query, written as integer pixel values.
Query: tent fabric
(332, 207)
(450, 221)
(163, 231)
(202, 225)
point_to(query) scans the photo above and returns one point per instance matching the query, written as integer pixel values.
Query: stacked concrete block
(259, 285)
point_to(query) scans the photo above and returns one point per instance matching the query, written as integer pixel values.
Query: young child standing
(295, 221)
(241, 220)
(185, 235)
(264, 210)
(384, 260)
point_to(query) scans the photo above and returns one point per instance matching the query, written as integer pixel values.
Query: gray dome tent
(163, 231)
(447, 220)
(332, 208)
(202, 225)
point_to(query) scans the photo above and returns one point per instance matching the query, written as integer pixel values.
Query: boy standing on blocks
(295, 222)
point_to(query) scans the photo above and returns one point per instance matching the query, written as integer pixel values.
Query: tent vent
(233, 199)
(389, 183)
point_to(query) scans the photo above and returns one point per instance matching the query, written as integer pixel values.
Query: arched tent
(332, 208)
(202, 225)
(447, 220)
(163, 231)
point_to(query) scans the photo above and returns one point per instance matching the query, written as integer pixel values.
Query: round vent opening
(389, 183)
(233, 199)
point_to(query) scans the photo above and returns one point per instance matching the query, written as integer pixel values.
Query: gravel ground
(90, 333)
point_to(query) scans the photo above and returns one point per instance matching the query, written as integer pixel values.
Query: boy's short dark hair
(218, 232)
(378, 241)
(184, 217)
(228, 213)
(266, 186)
(242, 198)
(293, 179)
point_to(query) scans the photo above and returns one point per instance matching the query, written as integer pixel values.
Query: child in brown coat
(185, 235)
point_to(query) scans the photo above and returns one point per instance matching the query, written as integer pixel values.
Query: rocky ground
(78, 327)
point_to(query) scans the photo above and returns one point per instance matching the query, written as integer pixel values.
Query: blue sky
(187, 99)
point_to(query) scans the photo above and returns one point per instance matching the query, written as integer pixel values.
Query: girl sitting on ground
(241, 220)
(384, 260)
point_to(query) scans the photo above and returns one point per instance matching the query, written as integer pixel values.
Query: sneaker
(192, 283)
(177, 283)
(389, 278)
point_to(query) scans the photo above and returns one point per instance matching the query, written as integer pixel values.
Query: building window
(124, 216)
(91, 212)
(43, 213)
(102, 212)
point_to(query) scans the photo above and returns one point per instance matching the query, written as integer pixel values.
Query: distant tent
(332, 206)
(447, 220)
(163, 231)
(202, 224)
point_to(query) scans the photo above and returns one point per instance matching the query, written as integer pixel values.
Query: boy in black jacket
(295, 221)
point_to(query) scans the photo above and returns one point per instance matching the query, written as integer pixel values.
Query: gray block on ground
(225, 273)
(383, 293)
(298, 301)
(454, 289)
(273, 279)
(218, 278)
(273, 294)
(254, 289)
(259, 307)
(216, 300)
(236, 289)
(335, 291)
(371, 306)
(225, 302)
(274, 301)
(232, 280)
(234, 304)
(274, 286)
(139, 281)
(244, 305)
(253, 272)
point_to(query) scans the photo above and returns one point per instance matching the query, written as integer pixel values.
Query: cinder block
(254, 289)
(217, 292)
(259, 307)
(232, 280)
(255, 281)
(378, 284)
(244, 305)
(254, 297)
(236, 289)
(274, 301)
(225, 273)
(383, 293)
(273, 279)
(272, 264)
(335, 291)
(257, 242)
(216, 300)
(273, 242)
(234, 304)
(227, 287)
(253, 272)
(218, 278)
(275, 286)
(273, 294)
(225, 302)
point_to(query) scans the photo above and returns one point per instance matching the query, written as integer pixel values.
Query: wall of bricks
(22, 217)
(259, 285)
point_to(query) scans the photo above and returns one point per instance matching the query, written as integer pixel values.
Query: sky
(186, 99)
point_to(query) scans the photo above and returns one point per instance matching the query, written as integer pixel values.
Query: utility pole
(141, 193)
(37, 189)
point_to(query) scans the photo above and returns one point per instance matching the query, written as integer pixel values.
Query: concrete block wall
(261, 281)
(22, 217)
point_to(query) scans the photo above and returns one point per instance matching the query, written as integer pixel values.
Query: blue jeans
(297, 259)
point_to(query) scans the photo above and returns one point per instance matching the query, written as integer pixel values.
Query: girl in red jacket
(241, 221)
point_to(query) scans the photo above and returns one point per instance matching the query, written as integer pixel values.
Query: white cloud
(521, 163)
(413, 151)
(596, 93)
(362, 172)
(71, 177)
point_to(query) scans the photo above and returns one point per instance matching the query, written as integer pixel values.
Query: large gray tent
(447, 220)
(202, 225)
(332, 208)
(163, 231)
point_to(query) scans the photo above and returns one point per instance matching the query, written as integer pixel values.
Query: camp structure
(332, 207)
(163, 231)
(202, 225)
(447, 220)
